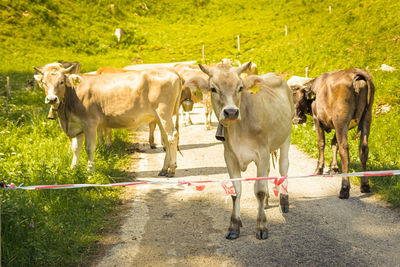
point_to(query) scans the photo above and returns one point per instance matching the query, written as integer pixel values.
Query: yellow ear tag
(198, 93)
(255, 89)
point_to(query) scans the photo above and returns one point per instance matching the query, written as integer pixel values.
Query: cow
(119, 100)
(338, 101)
(187, 71)
(185, 98)
(255, 125)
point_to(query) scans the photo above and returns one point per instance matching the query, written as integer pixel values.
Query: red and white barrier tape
(226, 184)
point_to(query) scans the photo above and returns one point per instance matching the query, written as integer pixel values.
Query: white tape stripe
(176, 182)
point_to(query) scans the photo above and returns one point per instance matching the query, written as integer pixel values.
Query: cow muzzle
(51, 99)
(231, 114)
(299, 119)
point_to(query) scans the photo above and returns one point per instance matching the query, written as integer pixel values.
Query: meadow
(50, 228)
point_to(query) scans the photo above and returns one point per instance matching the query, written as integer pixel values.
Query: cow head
(302, 100)
(53, 78)
(226, 87)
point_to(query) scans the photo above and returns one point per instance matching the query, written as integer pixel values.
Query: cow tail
(370, 95)
(177, 105)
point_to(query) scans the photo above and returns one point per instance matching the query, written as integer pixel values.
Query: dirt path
(171, 226)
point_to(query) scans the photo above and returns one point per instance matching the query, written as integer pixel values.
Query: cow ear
(197, 82)
(73, 80)
(308, 90)
(252, 83)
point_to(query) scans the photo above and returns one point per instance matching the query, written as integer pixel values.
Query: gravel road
(174, 226)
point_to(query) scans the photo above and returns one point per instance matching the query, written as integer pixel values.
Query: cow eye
(62, 82)
(240, 88)
(213, 90)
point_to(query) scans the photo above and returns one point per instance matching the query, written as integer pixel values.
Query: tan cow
(120, 100)
(255, 125)
(339, 100)
(187, 71)
(185, 98)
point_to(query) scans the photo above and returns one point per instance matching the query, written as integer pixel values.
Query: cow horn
(244, 67)
(38, 70)
(68, 69)
(205, 70)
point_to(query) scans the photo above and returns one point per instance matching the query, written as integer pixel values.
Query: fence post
(238, 42)
(306, 70)
(7, 93)
(285, 30)
(203, 52)
(330, 9)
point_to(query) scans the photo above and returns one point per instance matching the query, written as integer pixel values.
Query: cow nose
(231, 113)
(51, 99)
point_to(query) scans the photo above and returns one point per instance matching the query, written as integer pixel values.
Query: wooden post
(7, 93)
(330, 9)
(203, 52)
(285, 30)
(238, 41)
(306, 72)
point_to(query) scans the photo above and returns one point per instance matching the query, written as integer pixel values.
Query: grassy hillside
(34, 150)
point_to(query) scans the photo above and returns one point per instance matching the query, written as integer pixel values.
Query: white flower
(13, 153)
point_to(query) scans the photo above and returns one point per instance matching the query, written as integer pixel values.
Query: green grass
(36, 151)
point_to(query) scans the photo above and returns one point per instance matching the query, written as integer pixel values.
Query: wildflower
(32, 224)
(13, 153)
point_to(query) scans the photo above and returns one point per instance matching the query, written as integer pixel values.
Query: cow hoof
(232, 235)
(284, 208)
(334, 171)
(162, 173)
(365, 188)
(344, 193)
(319, 171)
(170, 174)
(284, 203)
(262, 234)
(153, 146)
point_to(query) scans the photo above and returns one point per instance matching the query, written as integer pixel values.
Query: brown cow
(342, 100)
(255, 125)
(120, 100)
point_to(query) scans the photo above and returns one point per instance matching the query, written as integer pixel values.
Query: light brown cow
(185, 97)
(255, 125)
(187, 71)
(342, 100)
(120, 100)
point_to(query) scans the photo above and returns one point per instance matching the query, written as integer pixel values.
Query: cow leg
(90, 146)
(170, 139)
(341, 135)
(334, 165)
(363, 149)
(100, 136)
(208, 116)
(108, 136)
(283, 170)
(261, 193)
(234, 172)
(76, 146)
(152, 126)
(321, 146)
